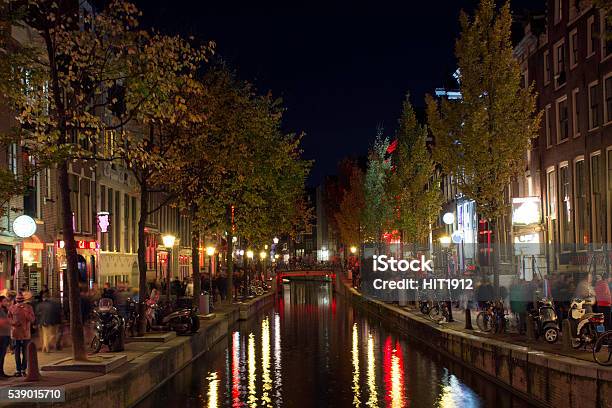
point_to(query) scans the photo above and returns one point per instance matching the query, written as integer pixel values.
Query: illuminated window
(582, 234)
(546, 65)
(565, 213)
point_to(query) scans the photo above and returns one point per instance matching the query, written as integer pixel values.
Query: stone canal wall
(542, 378)
(130, 383)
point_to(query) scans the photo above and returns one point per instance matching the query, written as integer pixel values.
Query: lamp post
(210, 251)
(263, 255)
(275, 240)
(169, 244)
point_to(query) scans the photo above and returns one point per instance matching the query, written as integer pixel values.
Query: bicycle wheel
(435, 314)
(602, 351)
(483, 321)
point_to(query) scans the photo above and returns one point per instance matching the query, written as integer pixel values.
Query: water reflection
(314, 350)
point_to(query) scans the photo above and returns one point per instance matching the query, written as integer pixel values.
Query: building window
(608, 98)
(546, 65)
(548, 125)
(591, 36)
(573, 48)
(576, 112)
(596, 199)
(594, 118)
(103, 207)
(558, 10)
(582, 234)
(551, 206)
(566, 208)
(12, 158)
(126, 223)
(113, 223)
(134, 226)
(117, 220)
(85, 210)
(606, 31)
(559, 67)
(74, 201)
(609, 190)
(562, 120)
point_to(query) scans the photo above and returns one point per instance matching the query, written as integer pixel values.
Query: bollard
(566, 335)
(468, 318)
(530, 326)
(33, 372)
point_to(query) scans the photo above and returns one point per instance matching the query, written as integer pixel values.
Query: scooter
(546, 321)
(109, 327)
(586, 327)
(183, 321)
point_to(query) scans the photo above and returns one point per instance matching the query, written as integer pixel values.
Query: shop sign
(526, 211)
(24, 226)
(81, 244)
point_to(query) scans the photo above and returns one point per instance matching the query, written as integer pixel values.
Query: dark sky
(341, 68)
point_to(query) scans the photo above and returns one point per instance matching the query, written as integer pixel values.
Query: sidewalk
(511, 337)
(137, 352)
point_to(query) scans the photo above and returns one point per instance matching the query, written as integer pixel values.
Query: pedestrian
(21, 317)
(602, 294)
(5, 333)
(49, 317)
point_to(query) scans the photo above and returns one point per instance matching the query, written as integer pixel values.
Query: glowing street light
(168, 241)
(448, 218)
(249, 254)
(210, 250)
(275, 240)
(445, 240)
(353, 249)
(263, 254)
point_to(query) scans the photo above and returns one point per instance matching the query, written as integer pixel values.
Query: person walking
(21, 317)
(49, 317)
(5, 333)
(602, 294)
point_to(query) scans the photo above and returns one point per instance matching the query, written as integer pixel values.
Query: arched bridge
(305, 274)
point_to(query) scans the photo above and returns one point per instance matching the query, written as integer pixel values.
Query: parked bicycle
(493, 318)
(602, 350)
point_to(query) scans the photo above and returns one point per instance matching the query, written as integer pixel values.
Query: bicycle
(493, 318)
(439, 311)
(602, 350)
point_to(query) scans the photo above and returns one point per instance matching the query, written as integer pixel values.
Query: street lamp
(353, 249)
(275, 240)
(168, 241)
(249, 254)
(262, 256)
(210, 251)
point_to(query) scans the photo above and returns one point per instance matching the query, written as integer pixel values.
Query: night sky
(342, 68)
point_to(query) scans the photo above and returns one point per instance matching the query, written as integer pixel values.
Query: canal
(315, 350)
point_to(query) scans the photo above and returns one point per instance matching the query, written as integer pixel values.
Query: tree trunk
(74, 297)
(142, 260)
(195, 256)
(230, 267)
(494, 226)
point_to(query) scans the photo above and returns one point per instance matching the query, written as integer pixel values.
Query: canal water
(315, 350)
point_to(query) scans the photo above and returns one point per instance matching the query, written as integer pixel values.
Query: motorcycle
(109, 327)
(183, 320)
(586, 327)
(546, 321)
(131, 322)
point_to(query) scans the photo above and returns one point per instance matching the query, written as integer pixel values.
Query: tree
(482, 139)
(417, 197)
(378, 209)
(350, 213)
(58, 86)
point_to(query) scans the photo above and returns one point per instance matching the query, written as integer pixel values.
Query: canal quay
(315, 341)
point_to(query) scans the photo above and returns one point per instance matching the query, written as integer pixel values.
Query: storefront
(7, 265)
(87, 256)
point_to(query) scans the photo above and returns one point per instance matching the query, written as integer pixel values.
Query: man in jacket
(602, 294)
(21, 317)
(49, 316)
